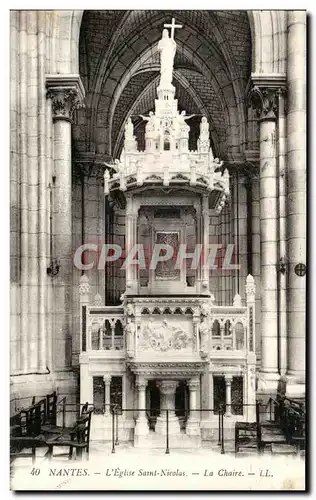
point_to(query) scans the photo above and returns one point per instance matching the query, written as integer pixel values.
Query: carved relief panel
(171, 336)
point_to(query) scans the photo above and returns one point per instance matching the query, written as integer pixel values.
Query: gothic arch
(268, 30)
(268, 36)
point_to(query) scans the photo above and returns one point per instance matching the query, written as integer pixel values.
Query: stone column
(205, 243)
(141, 428)
(85, 334)
(130, 241)
(282, 231)
(167, 402)
(228, 383)
(266, 101)
(296, 154)
(255, 230)
(193, 424)
(86, 384)
(107, 394)
(66, 94)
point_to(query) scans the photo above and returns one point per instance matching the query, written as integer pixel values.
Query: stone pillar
(193, 424)
(131, 240)
(255, 230)
(66, 94)
(167, 402)
(267, 105)
(205, 243)
(282, 231)
(199, 241)
(228, 383)
(141, 428)
(84, 292)
(86, 384)
(107, 394)
(296, 154)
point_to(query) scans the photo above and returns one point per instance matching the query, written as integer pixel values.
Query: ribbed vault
(119, 65)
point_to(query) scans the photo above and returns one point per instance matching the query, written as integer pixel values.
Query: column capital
(194, 384)
(167, 386)
(67, 94)
(107, 379)
(141, 383)
(228, 379)
(265, 101)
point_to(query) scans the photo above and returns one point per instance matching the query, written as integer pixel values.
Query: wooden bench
(78, 438)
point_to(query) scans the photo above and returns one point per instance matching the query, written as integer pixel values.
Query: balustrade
(195, 327)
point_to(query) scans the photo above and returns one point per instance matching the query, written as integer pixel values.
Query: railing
(202, 325)
(102, 328)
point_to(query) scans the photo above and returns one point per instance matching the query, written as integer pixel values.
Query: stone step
(180, 440)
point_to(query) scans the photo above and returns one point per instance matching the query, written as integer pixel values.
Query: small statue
(167, 48)
(129, 130)
(182, 118)
(204, 336)
(204, 129)
(218, 164)
(129, 335)
(150, 127)
(130, 309)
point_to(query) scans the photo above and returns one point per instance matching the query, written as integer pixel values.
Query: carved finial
(237, 300)
(97, 301)
(84, 286)
(250, 286)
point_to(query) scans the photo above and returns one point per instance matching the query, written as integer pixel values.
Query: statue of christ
(167, 48)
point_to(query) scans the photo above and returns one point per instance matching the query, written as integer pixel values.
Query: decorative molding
(167, 369)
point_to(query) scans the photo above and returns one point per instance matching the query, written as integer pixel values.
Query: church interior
(171, 129)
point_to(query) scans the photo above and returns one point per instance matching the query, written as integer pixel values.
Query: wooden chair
(247, 434)
(78, 439)
(18, 444)
(51, 408)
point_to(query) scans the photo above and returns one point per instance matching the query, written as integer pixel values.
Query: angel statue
(150, 126)
(182, 118)
(218, 164)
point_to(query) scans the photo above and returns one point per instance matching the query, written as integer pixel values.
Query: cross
(173, 26)
(300, 269)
